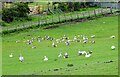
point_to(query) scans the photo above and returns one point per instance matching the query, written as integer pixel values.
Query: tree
(23, 9)
(76, 6)
(62, 6)
(70, 6)
(7, 15)
(15, 12)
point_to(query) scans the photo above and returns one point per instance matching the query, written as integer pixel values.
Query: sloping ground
(56, 18)
(103, 61)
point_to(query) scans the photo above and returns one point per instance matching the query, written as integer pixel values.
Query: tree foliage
(71, 6)
(15, 12)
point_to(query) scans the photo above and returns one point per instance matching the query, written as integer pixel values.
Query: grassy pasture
(103, 28)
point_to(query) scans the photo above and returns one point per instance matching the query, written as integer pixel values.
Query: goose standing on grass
(11, 55)
(113, 47)
(66, 55)
(45, 58)
(75, 38)
(93, 41)
(60, 54)
(54, 45)
(21, 58)
(39, 40)
(67, 43)
(58, 40)
(29, 42)
(85, 40)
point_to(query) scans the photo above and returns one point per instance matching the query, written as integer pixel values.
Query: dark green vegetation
(17, 11)
(103, 61)
(72, 6)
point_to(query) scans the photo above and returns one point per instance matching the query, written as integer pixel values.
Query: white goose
(93, 36)
(45, 58)
(54, 45)
(112, 36)
(113, 47)
(11, 55)
(21, 58)
(60, 55)
(66, 55)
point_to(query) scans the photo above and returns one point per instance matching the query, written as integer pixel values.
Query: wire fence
(61, 18)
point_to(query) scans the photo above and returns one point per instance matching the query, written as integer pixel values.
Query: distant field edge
(60, 75)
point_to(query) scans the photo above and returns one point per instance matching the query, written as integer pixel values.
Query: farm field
(103, 61)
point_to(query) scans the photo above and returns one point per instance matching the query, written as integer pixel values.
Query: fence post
(89, 13)
(30, 24)
(52, 19)
(65, 17)
(71, 16)
(95, 13)
(111, 10)
(16, 27)
(38, 21)
(42, 22)
(83, 15)
(77, 15)
(59, 17)
(101, 10)
(46, 19)
(23, 25)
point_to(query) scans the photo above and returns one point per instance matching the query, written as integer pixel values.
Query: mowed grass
(103, 28)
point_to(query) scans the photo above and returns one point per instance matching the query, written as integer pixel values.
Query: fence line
(60, 18)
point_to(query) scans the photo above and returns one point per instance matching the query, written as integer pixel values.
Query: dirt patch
(51, 27)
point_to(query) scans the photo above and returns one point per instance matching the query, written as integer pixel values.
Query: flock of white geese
(67, 42)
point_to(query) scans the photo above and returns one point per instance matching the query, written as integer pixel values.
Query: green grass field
(102, 28)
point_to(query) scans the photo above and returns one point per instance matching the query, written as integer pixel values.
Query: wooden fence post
(59, 17)
(23, 25)
(111, 10)
(41, 20)
(46, 19)
(52, 20)
(89, 13)
(16, 27)
(95, 13)
(83, 15)
(65, 17)
(38, 21)
(31, 24)
(71, 16)
(77, 15)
